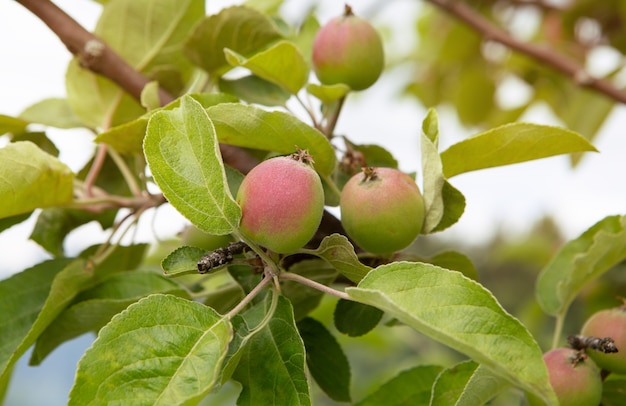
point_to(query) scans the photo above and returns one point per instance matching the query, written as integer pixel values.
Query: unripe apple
(608, 323)
(348, 50)
(574, 377)
(382, 210)
(282, 201)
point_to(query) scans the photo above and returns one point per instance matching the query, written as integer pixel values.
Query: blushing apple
(608, 323)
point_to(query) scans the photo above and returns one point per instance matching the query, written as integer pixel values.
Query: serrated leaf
(277, 131)
(466, 384)
(270, 65)
(303, 298)
(355, 319)
(460, 313)
(31, 178)
(21, 298)
(182, 260)
(10, 124)
(510, 144)
(242, 29)
(154, 39)
(127, 138)
(183, 155)
(326, 361)
(162, 350)
(443, 204)
(76, 276)
(337, 251)
(579, 262)
(95, 307)
(253, 89)
(410, 387)
(271, 366)
(53, 112)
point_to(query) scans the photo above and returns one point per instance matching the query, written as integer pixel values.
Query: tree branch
(547, 56)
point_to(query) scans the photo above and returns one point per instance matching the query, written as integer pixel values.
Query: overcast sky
(511, 198)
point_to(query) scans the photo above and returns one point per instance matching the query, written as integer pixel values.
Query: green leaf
(271, 365)
(466, 384)
(509, 144)
(304, 299)
(22, 297)
(127, 138)
(31, 178)
(411, 387)
(54, 224)
(162, 350)
(76, 276)
(277, 131)
(53, 112)
(306, 35)
(253, 89)
(8, 222)
(154, 40)
(455, 261)
(40, 139)
(337, 251)
(242, 29)
(327, 363)
(95, 307)
(270, 65)
(150, 96)
(183, 155)
(328, 94)
(355, 319)
(579, 262)
(13, 125)
(460, 313)
(443, 204)
(182, 260)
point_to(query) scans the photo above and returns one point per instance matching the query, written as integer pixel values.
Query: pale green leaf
(183, 155)
(460, 313)
(326, 360)
(154, 40)
(31, 178)
(579, 262)
(10, 124)
(411, 387)
(457, 262)
(162, 350)
(277, 131)
(150, 96)
(328, 94)
(182, 260)
(270, 65)
(95, 307)
(510, 144)
(52, 112)
(127, 138)
(443, 204)
(242, 29)
(337, 251)
(466, 384)
(271, 364)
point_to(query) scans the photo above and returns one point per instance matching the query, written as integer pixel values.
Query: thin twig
(547, 56)
(315, 285)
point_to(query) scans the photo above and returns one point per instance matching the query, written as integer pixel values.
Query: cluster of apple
(576, 373)
(282, 202)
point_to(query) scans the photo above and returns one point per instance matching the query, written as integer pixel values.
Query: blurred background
(516, 216)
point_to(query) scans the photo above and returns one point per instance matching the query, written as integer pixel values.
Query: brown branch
(547, 56)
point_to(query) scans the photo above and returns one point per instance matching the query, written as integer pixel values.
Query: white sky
(511, 198)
